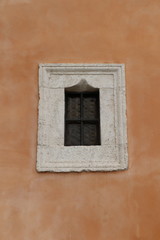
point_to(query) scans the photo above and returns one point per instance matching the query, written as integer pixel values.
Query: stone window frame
(111, 155)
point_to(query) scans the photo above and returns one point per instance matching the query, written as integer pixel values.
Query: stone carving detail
(81, 87)
(111, 155)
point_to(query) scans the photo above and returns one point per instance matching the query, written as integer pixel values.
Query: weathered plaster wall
(88, 206)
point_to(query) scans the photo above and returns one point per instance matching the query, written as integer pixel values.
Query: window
(82, 118)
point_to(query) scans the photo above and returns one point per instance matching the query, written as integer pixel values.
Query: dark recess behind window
(82, 118)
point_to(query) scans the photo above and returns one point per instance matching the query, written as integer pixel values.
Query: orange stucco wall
(120, 205)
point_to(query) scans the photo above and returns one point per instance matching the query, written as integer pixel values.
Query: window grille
(82, 118)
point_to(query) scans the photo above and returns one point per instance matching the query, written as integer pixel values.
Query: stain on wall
(89, 206)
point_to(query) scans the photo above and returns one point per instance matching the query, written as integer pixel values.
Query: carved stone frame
(111, 155)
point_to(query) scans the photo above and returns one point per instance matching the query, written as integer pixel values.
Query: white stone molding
(111, 155)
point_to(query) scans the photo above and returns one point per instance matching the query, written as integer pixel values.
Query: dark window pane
(73, 106)
(72, 134)
(82, 123)
(91, 134)
(90, 107)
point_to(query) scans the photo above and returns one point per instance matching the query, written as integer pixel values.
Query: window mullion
(81, 117)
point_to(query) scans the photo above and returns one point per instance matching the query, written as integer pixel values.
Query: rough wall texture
(89, 206)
